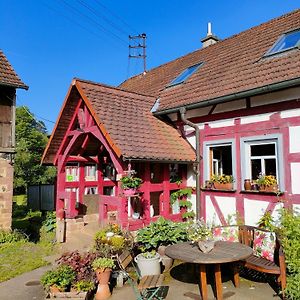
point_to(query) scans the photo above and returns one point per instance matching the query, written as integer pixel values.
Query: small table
(223, 252)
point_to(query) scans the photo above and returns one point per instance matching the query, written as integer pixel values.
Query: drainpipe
(182, 111)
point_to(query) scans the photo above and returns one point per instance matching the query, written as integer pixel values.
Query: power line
(95, 22)
(116, 16)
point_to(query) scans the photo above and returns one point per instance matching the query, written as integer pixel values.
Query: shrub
(62, 277)
(162, 232)
(84, 286)
(103, 263)
(80, 263)
(50, 221)
(11, 236)
(290, 239)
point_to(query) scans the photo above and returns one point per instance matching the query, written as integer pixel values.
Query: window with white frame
(218, 158)
(90, 172)
(72, 172)
(91, 190)
(262, 156)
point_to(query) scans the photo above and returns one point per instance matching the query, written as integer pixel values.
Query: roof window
(183, 76)
(287, 41)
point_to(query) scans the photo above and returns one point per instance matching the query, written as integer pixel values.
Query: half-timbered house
(236, 101)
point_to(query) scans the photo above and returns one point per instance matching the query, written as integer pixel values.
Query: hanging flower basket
(129, 192)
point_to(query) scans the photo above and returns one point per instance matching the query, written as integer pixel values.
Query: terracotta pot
(54, 289)
(272, 188)
(247, 185)
(223, 186)
(103, 292)
(103, 276)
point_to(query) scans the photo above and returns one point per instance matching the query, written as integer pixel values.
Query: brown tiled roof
(231, 66)
(8, 76)
(126, 121)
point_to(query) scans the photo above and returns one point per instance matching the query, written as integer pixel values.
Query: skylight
(287, 41)
(185, 74)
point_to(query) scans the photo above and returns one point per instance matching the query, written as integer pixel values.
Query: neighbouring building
(9, 82)
(236, 101)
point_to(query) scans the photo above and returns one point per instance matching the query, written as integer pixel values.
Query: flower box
(223, 186)
(71, 295)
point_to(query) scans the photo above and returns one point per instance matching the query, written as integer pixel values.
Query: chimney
(210, 39)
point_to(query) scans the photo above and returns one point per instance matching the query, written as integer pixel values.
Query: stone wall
(6, 194)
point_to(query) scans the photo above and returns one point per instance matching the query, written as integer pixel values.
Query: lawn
(19, 256)
(22, 256)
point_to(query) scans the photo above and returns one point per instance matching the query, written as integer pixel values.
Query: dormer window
(183, 76)
(287, 41)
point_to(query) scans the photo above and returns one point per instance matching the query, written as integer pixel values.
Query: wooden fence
(41, 197)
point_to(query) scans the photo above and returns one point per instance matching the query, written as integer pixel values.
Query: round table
(223, 252)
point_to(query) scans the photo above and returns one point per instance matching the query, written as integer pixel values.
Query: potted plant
(103, 267)
(157, 235)
(59, 279)
(83, 286)
(130, 184)
(222, 182)
(267, 183)
(148, 263)
(201, 234)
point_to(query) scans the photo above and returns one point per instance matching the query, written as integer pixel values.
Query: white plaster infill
(295, 175)
(227, 206)
(222, 123)
(254, 209)
(290, 113)
(255, 119)
(294, 134)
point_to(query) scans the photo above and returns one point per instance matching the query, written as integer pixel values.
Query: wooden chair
(148, 287)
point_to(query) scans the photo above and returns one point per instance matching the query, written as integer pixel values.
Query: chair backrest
(125, 259)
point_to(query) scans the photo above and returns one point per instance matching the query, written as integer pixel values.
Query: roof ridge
(112, 87)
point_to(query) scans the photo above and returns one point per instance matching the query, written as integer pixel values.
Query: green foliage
(11, 236)
(20, 257)
(188, 215)
(31, 139)
(62, 277)
(149, 254)
(266, 221)
(84, 286)
(111, 240)
(266, 180)
(198, 231)
(182, 193)
(290, 239)
(161, 232)
(130, 182)
(50, 222)
(103, 263)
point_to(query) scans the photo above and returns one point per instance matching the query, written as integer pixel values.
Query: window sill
(218, 190)
(279, 193)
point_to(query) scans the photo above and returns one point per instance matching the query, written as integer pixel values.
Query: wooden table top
(223, 252)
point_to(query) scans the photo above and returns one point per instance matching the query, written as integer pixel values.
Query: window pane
(270, 167)
(255, 168)
(262, 150)
(221, 160)
(289, 40)
(185, 74)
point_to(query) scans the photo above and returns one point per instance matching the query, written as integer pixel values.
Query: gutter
(236, 96)
(197, 167)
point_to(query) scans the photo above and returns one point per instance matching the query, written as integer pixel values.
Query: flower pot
(247, 185)
(103, 291)
(148, 266)
(206, 246)
(272, 188)
(103, 275)
(129, 192)
(223, 186)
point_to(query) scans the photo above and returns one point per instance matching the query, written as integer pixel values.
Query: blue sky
(49, 42)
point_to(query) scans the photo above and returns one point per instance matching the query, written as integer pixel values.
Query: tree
(31, 140)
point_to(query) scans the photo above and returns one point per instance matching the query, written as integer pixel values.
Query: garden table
(223, 252)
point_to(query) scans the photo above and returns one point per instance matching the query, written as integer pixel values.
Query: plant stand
(71, 295)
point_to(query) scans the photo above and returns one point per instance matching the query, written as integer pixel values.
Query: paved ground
(182, 286)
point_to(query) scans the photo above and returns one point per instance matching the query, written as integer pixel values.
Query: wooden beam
(59, 151)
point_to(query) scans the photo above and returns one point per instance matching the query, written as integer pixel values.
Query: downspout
(182, 111)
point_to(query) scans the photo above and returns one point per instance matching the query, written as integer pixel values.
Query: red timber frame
(275, 125)
(82, 133)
